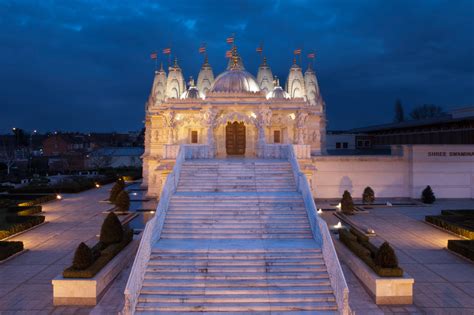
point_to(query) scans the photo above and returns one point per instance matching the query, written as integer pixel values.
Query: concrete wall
(448, 169)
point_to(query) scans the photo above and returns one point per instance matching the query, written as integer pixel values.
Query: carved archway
(236, 116)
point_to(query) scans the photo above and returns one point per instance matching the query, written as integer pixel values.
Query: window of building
(367, 143)
(344, 145)
(360, 143)
(276, 136)
(338, 145)
(194, 136)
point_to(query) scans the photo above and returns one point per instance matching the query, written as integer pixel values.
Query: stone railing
(150, 236)
(198, 151)
(302, 151)
(322, 236)
(170, 151)
(273, 151)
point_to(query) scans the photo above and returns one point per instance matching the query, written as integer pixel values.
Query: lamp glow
(339, 206)
(253, 115)
(152, 212)
(59, 197)
(97, 185)
(338, 225)
(292, 116)
(320, 211)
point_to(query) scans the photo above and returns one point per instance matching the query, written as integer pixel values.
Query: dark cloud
(83, 65)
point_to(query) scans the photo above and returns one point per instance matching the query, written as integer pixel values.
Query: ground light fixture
(320, 211)
(97, 185)
(59, 197)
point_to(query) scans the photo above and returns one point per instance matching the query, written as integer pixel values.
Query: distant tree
(399, 114)
(426, 111)
(7, 156)
(368, 196)
(427, 195)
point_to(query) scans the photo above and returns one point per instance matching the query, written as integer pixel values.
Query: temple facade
(233, 114)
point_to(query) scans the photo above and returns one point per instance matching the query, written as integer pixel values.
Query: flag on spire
(228, 54)
(230, 39)
(297, 51)
(260, 48)
(154, 55)
(312, 55)
(167, 51)
(202, 48)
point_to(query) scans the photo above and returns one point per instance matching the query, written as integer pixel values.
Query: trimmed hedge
(367, 252)
(8, 249)
(20, 223)
(23, 211)
(69, 186)
(462, 247)
(467, 212)
(106, 255)
(459, 224)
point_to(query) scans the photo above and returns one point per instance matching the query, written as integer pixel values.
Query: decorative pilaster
(301, 117)
(208, 117)
(170, 121)
(264, 118)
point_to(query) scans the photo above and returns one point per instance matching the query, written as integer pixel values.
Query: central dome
(235, 80)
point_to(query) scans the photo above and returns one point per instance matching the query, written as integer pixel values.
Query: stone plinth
(384, 290)
(75, 291)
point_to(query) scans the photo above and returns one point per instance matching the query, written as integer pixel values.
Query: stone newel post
(300, 126)
(264, 118)
(208, 117)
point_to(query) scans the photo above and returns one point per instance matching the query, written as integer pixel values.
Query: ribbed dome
(192, 92)
(235, 80)
(278, 93)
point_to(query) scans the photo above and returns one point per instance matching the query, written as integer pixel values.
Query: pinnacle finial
(264, 61)
(191, 81)
(176, 62)
(161, 67)
(294, 60)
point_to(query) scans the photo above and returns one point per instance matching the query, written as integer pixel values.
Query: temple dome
(278, 93)
(192, 92)
(235, 80)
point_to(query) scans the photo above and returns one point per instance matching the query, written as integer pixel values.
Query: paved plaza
(444, 282)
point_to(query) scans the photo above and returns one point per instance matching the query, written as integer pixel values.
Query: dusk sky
(85, 65)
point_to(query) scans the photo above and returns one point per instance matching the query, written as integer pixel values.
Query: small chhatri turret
(192, 91)
(295, 82)
(264, 77)
(205, 77)
(312, 88)
(157, 95)
(175, 84)
(277, 93)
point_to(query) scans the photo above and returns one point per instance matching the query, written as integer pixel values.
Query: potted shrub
(347, 204)
(118, 187)
(123, 201)
(83, 257)
(368, 196)
(111, 231)
(427, 196)
(386, 257)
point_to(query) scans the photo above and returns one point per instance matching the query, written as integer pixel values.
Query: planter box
(384, 290)
(70, 291)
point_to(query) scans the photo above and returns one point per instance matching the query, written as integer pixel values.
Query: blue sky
(84, 65)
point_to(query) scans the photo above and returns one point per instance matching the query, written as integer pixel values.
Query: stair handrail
(151, 234)
(322, 236)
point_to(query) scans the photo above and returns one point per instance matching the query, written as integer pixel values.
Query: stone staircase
(236, 239)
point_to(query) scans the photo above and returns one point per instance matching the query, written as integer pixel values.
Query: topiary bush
(347, 204)
(83, 257)
(386, 257)
(427, 196)
(111, 231)
(123, 201)
(368, 196)
(118, 187)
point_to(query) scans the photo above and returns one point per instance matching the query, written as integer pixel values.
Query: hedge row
(24, 200)
(69, 187)
(462, 247)
(8, 249)
(459, 224)
(103, 256)
(24, 211)
(18, 224)
(359, 244)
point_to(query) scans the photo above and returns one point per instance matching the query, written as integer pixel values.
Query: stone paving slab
(444, 282)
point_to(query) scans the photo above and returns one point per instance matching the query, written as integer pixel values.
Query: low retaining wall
(74, 291)
(384, 290)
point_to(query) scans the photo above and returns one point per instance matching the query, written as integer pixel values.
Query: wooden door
(235, 138)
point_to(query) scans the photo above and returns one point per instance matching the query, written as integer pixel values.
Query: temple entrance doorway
(235, 138)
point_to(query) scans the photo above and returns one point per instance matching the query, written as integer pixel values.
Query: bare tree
(97, 161)
(8, 156)
(426, 111)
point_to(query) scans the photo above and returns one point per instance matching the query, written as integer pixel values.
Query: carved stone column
(300, 126)
(208, 117)
(264, 118)
(170, 121)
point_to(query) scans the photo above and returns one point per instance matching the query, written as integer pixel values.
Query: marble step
(235, 268)
(238, 284)
(238, 307)
(237, 275)
(236, 298)
(155, 261)
(235, 236)
(249, 257)
(210, 291)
